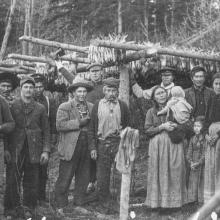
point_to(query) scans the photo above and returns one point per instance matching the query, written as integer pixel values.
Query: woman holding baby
(166, 183)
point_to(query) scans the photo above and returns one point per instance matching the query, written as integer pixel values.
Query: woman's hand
(168, 126)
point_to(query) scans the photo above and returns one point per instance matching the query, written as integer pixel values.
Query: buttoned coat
(30, 125)
(190, 96)
(68, 126)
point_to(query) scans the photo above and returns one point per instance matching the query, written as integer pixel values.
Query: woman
(166, 184)
(212, 154)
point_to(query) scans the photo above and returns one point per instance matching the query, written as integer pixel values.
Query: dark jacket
(6, 121)
(31, 125)
(190, 96)
(50, 105)
(68, 126)
(96, 94)
(93, 128)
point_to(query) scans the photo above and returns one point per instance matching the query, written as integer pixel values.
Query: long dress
(196, 154)
(212, 153)
(166, 182)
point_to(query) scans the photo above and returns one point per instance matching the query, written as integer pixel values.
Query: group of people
(183, 129)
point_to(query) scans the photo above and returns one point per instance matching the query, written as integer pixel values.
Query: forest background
(183, 23)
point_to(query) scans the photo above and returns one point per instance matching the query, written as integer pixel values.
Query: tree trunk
(31, 12)
(7, 30)
(146, 12)
(172, 22)
(119, 16)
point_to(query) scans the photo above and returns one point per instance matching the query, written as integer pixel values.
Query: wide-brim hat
(93, 65)
(165, 70)
(9, 77)
(79, 82)
(111, 82)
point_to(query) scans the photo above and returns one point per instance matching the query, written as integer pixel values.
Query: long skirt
(166, 182)
(212, 165)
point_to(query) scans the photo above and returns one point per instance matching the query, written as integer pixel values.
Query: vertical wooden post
(126, 178)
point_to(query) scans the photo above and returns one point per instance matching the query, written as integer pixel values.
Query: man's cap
(38, 77)
(111, 82)
(80, 82)
(9, 77)
(196, 69)
(94, 65)
(167, 70)
(27, 79)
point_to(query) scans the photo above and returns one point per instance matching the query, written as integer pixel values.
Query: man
(95, 73)
(199, 95)
(8, 82)
(50, 107)
(109, 116)
(29, 147)
(72, 122)
(167, 77)
(6, 126)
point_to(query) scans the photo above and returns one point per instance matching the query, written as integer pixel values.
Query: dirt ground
(95, 211)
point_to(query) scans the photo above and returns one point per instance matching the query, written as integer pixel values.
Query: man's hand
(7, 156)
(83, 122)
(94, 154)
(44, 158)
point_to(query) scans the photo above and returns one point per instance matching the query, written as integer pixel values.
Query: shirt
(109, 117)
(200, 102)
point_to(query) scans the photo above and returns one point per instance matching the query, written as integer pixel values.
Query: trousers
(2, 165)
(78, 166)
(14, 173)
(107, 150)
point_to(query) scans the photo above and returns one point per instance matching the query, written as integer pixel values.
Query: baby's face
(197, 127)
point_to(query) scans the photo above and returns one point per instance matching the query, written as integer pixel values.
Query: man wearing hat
(29, 147)
(109, 116)
(49, 104)
(95, 72)
(72, 122)
(8, 82)
(167, 77)
(198, 96)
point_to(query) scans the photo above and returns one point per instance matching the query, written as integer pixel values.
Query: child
(196, 159)
(180, 108)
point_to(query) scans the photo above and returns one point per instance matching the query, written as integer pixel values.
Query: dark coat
(45, 100)
(190, 96)
(6, 121)
(93, 128)
(32, 126)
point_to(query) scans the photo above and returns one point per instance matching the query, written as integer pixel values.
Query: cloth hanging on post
(126, 152)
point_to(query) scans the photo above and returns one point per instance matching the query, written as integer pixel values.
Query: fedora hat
(79, 82)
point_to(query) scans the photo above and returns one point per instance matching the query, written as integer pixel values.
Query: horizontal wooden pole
(54, 44)
(13, 70)
(160, 50)
(47, 60)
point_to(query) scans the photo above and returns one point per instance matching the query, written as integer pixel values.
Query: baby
(180, 108)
